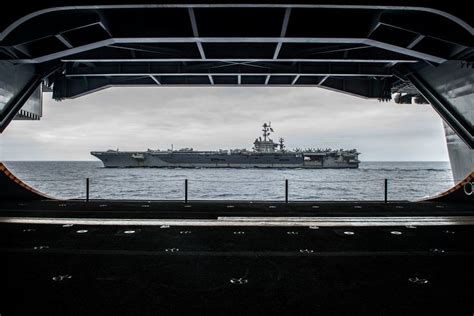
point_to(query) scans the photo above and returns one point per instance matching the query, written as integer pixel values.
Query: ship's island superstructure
(265, 154)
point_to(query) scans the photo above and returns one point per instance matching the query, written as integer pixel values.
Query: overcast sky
(223, 118)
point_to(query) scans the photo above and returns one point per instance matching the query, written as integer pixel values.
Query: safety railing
(285, 190)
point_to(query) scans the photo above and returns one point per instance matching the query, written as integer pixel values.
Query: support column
(450, 90)
(461, 156)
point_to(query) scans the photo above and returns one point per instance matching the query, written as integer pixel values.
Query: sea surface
(67, 179)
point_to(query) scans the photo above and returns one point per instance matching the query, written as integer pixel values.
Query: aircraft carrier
(146, 257)
(265, 154)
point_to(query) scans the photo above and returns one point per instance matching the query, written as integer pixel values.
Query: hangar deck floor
(338, 268)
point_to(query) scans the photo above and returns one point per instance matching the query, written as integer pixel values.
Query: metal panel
(12, 80)
(33, 108)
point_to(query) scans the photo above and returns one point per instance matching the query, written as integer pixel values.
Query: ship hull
(116, 159)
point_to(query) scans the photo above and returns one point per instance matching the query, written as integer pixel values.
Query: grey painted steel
(459, 122)
(451, 92)
(265, 154)
(168, 159)
(253, 60)
(284, 27)
(450, 89)
(33, 107)
(308, 40)
(444, 14)
(344, 74)
(461, 157)
(20, 91)
(231, 68)
(64, 40)
(12, 79)
(155, 80)
(192, 17)
(454, 82)
(254, 221)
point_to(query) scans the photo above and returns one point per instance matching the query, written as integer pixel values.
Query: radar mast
(267, 129)
(282, 144)
(266, 145)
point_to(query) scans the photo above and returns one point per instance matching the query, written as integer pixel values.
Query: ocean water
(406, 181)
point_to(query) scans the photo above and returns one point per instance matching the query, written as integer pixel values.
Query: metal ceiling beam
(216, 68)
(63, 40)
(374, 28)
(322, 80)
(393, 26)
(106, 29)
(404, 51)
(415, 41)
(192, 17)
(469, 28)
(284, 27)
(73, 87)
(155, 80)
(304, 40)
(23, 50)
(179, 74)
(67, 52)
(295, 79)
(267, 79)
(9, 51)
(253, 60)
(58, 32)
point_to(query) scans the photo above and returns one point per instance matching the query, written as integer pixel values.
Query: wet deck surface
(61, 269)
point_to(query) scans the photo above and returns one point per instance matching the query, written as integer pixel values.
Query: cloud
(211, 118)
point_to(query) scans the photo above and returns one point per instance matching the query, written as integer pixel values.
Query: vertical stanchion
(87, 189)
(186, 191)
(286, 191)
(385, 190)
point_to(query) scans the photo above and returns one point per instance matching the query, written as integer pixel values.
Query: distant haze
(223, 118)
